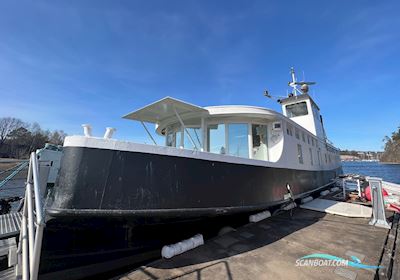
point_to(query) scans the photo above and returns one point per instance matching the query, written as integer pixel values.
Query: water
(388, 172)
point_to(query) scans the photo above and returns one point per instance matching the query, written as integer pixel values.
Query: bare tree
(7, 125)
(57, 137)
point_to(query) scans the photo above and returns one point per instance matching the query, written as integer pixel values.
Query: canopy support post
(203, 132)
(148, 132)
(184, 127)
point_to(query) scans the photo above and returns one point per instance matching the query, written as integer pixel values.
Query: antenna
(303, 84)
(277, 98)
(293, 83)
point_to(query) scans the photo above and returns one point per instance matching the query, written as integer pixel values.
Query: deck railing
(32, 225)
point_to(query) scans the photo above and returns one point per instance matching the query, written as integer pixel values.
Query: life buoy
(368, 193)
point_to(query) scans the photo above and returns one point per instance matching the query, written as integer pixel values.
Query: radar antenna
(294, 83)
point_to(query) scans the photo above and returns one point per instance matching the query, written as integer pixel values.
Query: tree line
(392, 148)
(18, 138)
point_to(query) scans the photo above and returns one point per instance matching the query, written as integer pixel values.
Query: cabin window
(260, 144)
(277, 126)
(174, 137)
(319, 158)
(238, 141)
(296, 110)
(289, 130)
(300, 153)
(171, 140)
(216, 139)
(311, 157)
(179, 143)
(195, 133)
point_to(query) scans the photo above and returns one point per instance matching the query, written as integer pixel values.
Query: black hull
(108, 182)
(78, 247)
(114, 205)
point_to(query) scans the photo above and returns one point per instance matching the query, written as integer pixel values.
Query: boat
(115, 203)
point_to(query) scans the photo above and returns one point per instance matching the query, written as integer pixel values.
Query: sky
(65, 63)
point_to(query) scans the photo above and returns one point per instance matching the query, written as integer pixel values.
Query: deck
(269, 250)
(10, 224)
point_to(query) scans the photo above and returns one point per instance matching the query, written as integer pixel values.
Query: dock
(271, 248)
(10, 224)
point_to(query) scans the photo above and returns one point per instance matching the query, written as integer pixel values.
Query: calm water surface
(388, 172)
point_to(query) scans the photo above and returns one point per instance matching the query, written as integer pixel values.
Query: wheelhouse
(240, 131)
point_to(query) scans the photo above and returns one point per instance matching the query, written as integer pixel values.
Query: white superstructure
(295, 139)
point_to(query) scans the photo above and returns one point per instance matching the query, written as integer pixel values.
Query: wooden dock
(269, 250)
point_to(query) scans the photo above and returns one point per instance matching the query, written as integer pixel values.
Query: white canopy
(163, 109)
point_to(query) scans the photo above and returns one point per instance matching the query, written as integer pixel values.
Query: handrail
(31, 235)
(15, 170)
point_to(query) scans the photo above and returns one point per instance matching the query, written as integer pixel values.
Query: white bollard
(259, 216)
(87, 130)
(334, 189)
(168, 251)
(109, 132)
(306, 199)
(289, 206)
(325, 192)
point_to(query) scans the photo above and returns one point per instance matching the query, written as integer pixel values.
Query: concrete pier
(269, 250)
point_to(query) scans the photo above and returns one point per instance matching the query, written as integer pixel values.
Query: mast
(293, 82)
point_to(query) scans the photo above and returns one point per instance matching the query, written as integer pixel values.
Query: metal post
(36, 187)
(37, 252)
(39, 220)
(344, 189)
(185, 129)
(203, 133)
(148, 132)
(31, 229)
(25, 256)
(378, 207)
(359, 188)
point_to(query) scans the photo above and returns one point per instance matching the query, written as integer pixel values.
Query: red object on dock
(368, 193)
(394, 208)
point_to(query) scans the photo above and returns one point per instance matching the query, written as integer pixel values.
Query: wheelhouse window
(179, 138)
(195, 133)
(238, 143)
(179, 143)
(296, 110)
(260, 144)
(216, 139)
(171, 139)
